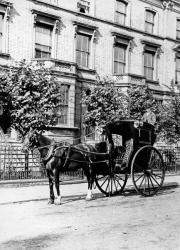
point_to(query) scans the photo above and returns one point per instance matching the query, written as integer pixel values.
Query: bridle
(33, 143)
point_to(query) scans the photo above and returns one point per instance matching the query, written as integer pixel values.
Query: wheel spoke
(149, 160)
(156, 175)
(151, 182)
(111, 184)
(102, 177)
(119, 177)
(139, 177)
(142, 181)
(104, 180)
(107, 183)
(148, 185)
(115, 184)
(155, 181)
(145, 185)
(118, 182)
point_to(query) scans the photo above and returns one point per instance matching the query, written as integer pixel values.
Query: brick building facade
(135, 41)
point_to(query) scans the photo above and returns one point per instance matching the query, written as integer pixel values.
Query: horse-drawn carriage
(127, 150)
(131, 152)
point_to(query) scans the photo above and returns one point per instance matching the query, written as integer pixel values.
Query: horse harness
(53, 147)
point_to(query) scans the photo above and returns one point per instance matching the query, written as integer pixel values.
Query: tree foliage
(33, 90)
(140, 99)
(6, 105)
(104, 103)
(169, 124)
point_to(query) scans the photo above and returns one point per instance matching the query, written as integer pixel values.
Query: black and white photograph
(89, 124)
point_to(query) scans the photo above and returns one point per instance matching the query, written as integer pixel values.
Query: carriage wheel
(111, 184)
(147, 170)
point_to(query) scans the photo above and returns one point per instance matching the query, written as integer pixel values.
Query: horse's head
(30, 140)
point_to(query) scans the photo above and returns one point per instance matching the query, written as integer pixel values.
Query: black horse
(58, 158)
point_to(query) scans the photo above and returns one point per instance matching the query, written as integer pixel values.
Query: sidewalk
(24, 191)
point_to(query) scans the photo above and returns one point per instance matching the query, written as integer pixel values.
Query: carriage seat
(101, 147)
(119, 152)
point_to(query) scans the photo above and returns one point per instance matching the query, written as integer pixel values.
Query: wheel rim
(112, 184)
(147, 170)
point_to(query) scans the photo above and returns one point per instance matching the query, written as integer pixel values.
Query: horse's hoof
(89, 198)
(57, 201)
(50, 201)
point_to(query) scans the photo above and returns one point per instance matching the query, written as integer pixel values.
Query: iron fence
(14, 164)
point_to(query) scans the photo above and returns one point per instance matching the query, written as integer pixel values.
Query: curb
(25, 182)
(38, 182)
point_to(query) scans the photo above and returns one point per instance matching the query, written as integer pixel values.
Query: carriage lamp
(138, 123)
(141, 123)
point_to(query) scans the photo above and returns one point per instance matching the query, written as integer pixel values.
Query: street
(128, 221)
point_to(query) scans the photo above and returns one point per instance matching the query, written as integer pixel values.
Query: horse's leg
(49, 174)
(90, 180)
(58, 198)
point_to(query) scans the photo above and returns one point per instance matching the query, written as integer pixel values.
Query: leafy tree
(140, 98)
(104, 103)
(6, 105)
(34, 96)
(169, 123)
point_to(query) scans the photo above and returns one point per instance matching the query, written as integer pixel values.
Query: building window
(43, 44)
(178, 68)
(178, 29)
(83, 50)
(119, 59)
(149, 22)
(90, 132)
(121, 12)
(149, 64)
(83, 6)
(1, 29)
(62, 110)
(46, 27)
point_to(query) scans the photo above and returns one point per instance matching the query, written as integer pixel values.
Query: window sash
(1, 22)
(121, 12)
(90, 132)
(42, 51)
(43, 41)
(83, 50)
(119, 59)
(149, 16)
(62, 109)
(63, 118)
(120, 18)
(178, 29)
(43, 35)
(121, 6)
(149, 27)
(1, 29)
(149, 22)
(148, 65)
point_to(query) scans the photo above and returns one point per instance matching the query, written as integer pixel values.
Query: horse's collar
(50, 152)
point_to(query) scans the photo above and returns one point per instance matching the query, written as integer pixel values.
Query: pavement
(35, 190)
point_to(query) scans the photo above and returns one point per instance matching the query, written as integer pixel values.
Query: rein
(52, 150)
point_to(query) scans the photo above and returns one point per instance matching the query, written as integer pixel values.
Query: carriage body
(134, 135)
(131, 152)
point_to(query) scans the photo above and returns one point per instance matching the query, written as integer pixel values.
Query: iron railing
(14, 164)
